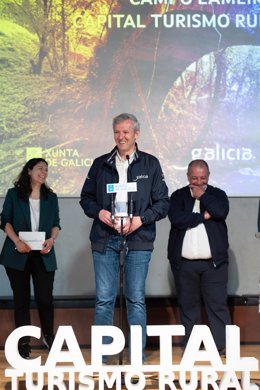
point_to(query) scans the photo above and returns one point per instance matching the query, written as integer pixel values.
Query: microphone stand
(122, 255)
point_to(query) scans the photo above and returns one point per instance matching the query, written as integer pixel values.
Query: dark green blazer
(17, 212)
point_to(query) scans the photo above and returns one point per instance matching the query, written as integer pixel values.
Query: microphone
(131, 197)
(112, 209)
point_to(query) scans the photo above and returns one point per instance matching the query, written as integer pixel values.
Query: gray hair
(124, 117)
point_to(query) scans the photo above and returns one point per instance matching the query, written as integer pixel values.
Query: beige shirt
(196, 243)
(34, 213)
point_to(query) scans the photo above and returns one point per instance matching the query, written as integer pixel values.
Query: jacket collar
(112, 155)
(44, 214)
(26, 212)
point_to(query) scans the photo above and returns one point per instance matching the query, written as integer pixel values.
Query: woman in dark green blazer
(31, 206)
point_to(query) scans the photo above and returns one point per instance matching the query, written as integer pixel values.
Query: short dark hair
(23, 181)
(124, 117)
(198, 162)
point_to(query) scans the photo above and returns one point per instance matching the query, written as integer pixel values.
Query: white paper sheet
(33, 239)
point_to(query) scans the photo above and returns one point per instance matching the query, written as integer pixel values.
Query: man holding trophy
(125, 193)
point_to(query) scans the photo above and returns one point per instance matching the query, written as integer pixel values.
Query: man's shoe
(48, 340)
(24, 350)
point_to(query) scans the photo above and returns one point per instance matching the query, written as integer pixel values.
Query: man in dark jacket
(136, 212)
(198, 251)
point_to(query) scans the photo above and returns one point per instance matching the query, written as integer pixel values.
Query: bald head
(198, 173)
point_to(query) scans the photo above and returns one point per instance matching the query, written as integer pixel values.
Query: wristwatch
(143, 219)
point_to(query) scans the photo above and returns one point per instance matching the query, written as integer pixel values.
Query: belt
(184, 258)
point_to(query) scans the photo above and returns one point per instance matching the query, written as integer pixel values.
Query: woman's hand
(22, 247)
(47, 245)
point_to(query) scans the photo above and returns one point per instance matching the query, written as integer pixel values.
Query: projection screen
(188, 69)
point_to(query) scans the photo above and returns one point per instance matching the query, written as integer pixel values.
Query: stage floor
(151, 378)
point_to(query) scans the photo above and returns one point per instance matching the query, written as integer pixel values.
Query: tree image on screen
(190, 73)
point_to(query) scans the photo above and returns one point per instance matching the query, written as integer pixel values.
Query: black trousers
(43, 292)
(199, 281)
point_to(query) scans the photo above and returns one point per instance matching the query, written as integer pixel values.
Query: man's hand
(128, 227)
(105, 217)
(206, 215)
(136, 223)
(197, 191)
(122, 225)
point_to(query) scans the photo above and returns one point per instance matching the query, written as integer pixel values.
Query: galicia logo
(141, 177)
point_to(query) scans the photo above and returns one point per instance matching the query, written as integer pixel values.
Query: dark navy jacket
(150, 201)
(215, 201)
